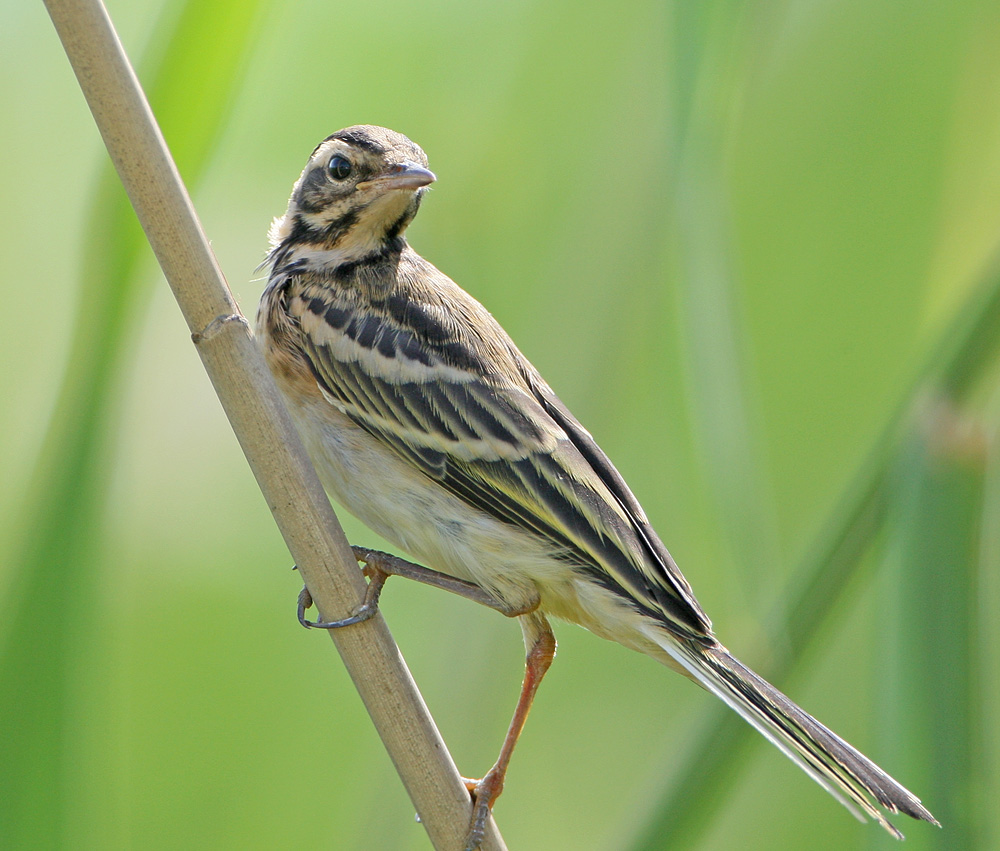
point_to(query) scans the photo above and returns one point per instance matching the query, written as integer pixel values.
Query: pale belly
(444, 533)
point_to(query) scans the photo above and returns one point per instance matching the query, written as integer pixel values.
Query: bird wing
(493, 435)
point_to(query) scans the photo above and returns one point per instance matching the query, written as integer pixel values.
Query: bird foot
(365, 611)
(484, 794)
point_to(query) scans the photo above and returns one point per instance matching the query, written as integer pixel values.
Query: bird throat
(361, 235)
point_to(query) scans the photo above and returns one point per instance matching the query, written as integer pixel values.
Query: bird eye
(339, 167)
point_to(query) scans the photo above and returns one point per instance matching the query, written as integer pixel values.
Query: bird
(425, 421)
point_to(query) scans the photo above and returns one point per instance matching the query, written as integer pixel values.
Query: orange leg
(541, 644)
(538, 639)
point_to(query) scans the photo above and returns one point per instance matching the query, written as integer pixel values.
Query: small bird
(425, 421)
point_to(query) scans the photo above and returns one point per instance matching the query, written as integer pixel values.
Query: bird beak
(400, 176)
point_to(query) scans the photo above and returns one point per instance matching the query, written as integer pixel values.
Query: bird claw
(484, 794)
(365, 611)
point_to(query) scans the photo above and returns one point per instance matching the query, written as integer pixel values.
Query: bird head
(360, 189)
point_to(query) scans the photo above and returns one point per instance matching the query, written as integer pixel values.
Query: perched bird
(425, 421)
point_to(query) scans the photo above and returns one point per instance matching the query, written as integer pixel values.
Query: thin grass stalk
(253, 405)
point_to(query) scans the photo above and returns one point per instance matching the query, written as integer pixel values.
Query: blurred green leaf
(711, 43)
(851, 166)
(48, 614)
(965, 355)
(930, 672)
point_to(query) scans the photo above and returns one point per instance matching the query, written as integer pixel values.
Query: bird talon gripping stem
(365, 611)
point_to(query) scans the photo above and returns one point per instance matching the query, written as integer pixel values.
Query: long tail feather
(843, 771)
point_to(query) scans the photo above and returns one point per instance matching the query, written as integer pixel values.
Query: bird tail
(843, 771)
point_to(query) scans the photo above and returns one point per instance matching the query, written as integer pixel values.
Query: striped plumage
(424, 420)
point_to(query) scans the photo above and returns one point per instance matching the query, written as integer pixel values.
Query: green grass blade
(965, 354)
(719, 370)
(928, 681)
(47, 616)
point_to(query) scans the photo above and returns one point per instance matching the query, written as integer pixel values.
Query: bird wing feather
(497, 438)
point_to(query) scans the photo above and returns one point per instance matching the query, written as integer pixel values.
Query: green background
(729, 234)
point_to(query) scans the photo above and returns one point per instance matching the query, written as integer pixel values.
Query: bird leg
(541, 644)
(379, 566)
(538, 639)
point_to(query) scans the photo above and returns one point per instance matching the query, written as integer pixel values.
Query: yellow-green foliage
(731, 235)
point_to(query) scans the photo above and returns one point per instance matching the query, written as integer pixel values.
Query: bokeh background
(739, 240)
